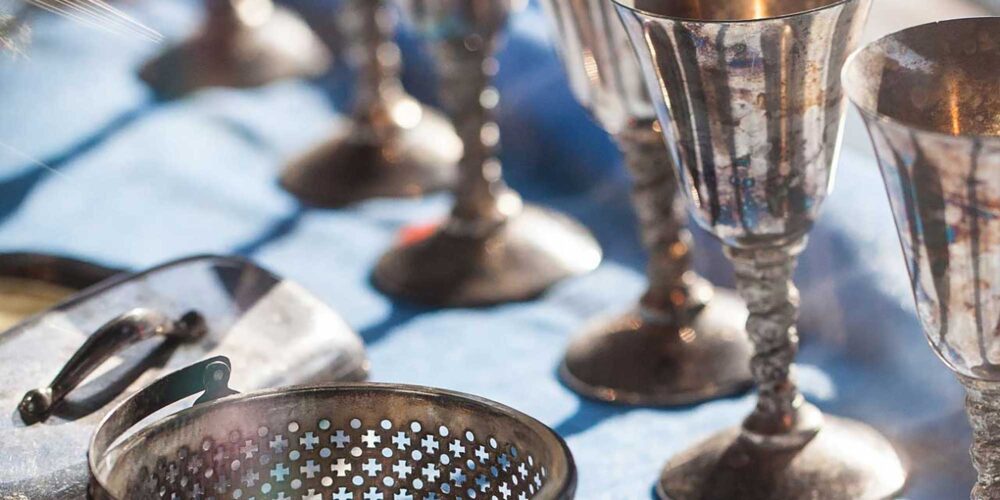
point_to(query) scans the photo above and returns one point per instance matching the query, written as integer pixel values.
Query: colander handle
(134, 326)
(210, 376)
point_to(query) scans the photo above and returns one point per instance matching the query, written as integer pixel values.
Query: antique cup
(493, 248)
(930, 96)
(393, 146)
(685, 342)
(749, 95)
(242, 43)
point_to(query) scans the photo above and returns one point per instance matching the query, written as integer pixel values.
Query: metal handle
(127, 329)
(210, 376)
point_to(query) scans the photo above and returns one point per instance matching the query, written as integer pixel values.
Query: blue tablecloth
(93, 166)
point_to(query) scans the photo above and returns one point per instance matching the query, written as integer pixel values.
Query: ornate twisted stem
(662, 221)
(982, 402)
(764, 279)
(466, 70)
(369, 25)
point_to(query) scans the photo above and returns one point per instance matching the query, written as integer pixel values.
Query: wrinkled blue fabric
(93, 166)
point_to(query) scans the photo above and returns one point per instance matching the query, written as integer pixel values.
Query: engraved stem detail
(369, 25)
(764, 279)
(983, 405)
(662, 221)
(466, 70)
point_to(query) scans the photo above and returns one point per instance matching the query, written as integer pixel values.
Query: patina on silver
(392, 146)
(683, 343)
(493, 248)
(54, 399)
(242, 43)
(749, 96)
(930, 96)
(323, 442)
(130, 328)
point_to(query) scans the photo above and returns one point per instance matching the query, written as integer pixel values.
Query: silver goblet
(750, 98)
(930, 96)
(242, 43)
(685, 342)
(393, 146)
(493, 248)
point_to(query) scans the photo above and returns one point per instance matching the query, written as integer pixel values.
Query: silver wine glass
(242, 43)
(749, 96)
(685, 342)
(493, 248)
(930, 96)
(393, 146)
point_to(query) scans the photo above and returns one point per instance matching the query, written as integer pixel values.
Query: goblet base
(402, 162)
(519, 260)
(239, 56)
(846, 460)
(634, 361)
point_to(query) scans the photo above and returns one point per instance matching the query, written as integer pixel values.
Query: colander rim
(565, 489)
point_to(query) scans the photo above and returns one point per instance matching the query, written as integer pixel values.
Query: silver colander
(341, 442)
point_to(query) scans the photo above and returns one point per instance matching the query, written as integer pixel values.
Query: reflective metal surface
(726, 466)
(518, 261)
(641, 357)
(57, 270)
(343, 441)
(285, 333)
(678, 348)
(242, 43)
(492, 249)
(752, 109)
(130, 328)
(930, 96)
(32, 282)
(393, 146)
(637, 360)
(751, 104)
(601, 67)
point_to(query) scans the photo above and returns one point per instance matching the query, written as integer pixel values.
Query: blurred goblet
(243, 43)
(752, 106)
(684, 343)
(493, 248)
(930, 96)
(394, 146)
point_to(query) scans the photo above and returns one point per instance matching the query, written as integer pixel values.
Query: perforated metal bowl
(350, 441)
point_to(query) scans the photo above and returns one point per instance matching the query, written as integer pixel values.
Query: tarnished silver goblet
(685, 342)
(242, 43)
(749, 96)
(493, 248)
(393, 145)
(930, 96)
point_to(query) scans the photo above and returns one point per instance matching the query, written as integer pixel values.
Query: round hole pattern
(344, 461)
